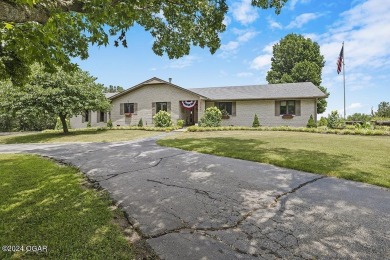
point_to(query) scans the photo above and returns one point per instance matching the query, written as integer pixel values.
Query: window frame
(159, 108)
(128, 108)
(222, 106)
(286, 108)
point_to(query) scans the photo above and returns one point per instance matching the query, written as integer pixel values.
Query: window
(102, 116)
(287, 107)
(128, 108)
(228, 106)
(161, 106)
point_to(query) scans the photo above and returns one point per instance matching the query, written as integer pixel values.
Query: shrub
(140, 123)
(89, 125)
(162, 119)
(256, 121)
(180, 123)
(59, 124)
(311, 123)
(335, 120)
(212, 117)
(323, 121)
(109, 123)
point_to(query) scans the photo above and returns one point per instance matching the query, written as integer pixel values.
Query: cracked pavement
(196, 206)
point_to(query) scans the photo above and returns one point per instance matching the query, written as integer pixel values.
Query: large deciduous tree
(62, 93)
(52, 31)
(298, 59)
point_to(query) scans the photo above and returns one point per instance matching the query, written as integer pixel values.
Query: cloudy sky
(245, 55)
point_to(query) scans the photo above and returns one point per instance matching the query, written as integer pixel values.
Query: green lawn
(359, 158)
(78, 136)
(45, 204)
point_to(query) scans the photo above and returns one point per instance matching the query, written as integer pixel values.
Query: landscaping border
(361, 131)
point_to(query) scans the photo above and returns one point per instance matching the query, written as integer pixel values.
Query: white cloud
(183, 62)
(226, 20)
(261, 62)
(302, 19)
(246, 36)
(244, 12)
(273, 24)
(365, 28)
(231, 47)
(293, 3)
(355, 105)
(244, 74)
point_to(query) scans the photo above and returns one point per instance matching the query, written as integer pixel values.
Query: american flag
(340, 60)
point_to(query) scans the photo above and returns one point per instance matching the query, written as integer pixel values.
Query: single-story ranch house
(289, 104)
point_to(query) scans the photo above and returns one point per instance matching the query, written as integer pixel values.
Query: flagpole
(344, 79)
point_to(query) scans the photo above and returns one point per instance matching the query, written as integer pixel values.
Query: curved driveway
(196, 206)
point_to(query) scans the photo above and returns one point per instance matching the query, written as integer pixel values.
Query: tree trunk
(64, 125)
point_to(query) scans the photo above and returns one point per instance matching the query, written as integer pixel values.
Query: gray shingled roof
(108, 95)
(271, 91)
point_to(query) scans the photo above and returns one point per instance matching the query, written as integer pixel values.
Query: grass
(78, 136)
(358, 158)
(44, 204)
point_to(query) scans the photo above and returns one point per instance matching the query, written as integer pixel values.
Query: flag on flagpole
(340, 60)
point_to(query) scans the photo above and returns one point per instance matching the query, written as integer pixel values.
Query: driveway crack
(277, 198)
(159, 160)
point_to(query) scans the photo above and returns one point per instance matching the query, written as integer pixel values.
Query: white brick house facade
(276, 105)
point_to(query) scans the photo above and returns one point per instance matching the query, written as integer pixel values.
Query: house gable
(155, 82)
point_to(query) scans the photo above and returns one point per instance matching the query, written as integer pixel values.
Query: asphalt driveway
(196, 206)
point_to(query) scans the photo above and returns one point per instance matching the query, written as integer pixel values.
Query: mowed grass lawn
(78, 136)
(358, 158)
(45, 204)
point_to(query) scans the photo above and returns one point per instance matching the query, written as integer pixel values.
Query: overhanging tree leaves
(63, 94)
(51, 31)
(298, 59)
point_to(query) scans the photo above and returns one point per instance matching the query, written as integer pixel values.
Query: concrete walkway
(195, 206)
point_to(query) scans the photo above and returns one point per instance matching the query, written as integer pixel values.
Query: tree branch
(12, 12)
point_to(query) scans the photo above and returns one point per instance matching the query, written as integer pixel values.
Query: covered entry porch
(189, 111)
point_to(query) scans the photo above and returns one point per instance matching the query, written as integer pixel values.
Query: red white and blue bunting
(188, 104)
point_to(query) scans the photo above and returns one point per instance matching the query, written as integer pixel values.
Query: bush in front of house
(109, 123)
(311, 123)
(323, 121)
(256, 121)
(211, 118)
(162, 119)
(59, 124)
(335, 120)
(180, 123)
(140, 123)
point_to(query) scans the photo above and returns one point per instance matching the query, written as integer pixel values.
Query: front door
(189, 115)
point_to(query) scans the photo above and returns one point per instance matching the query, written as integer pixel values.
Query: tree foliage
(52, 31)
(24, 119)
(63, 94)
(383, 110)
(359, 117)
(113, 89)
(298, 59)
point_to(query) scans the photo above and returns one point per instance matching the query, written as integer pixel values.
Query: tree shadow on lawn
(45, 137)
(257, 150)
(47, 206)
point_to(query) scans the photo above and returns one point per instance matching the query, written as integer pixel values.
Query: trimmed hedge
(385, 132)
(104, 128)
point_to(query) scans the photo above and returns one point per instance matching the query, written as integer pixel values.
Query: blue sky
(245, 54)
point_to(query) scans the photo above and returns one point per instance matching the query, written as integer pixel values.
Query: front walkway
(196, 206)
